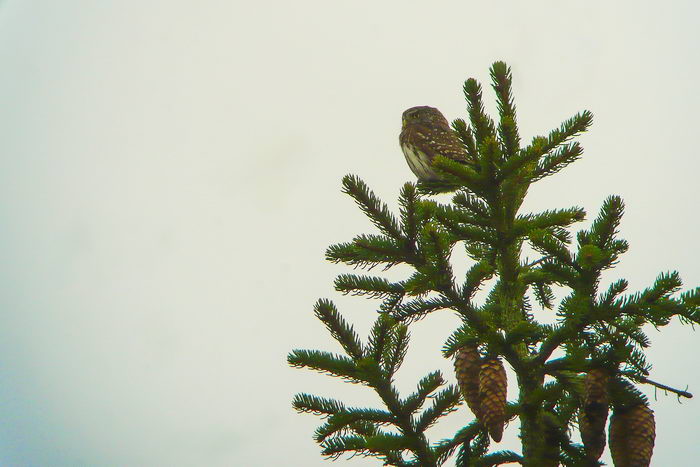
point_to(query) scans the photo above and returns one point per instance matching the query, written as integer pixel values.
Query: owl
(425, 133)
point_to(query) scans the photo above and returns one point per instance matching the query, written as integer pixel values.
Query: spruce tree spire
(598, 335)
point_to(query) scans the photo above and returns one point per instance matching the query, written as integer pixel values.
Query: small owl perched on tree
(425, 133)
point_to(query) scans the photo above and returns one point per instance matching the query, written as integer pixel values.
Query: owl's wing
(446, 143)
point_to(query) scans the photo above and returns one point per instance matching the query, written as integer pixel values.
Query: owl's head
(423, 115)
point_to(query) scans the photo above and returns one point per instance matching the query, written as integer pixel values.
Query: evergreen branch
(691, 298)
(543, 294)
(436, 246)
(613, 291)
(507, 129)
(408, 201)
(508, 133)
(574, 126)
(362, 421)
(661, 312)
(483, 126)
(490, 160)
(578, 311)
(341, 421)
(444, 449)
(469, 453)
(544, 242)
(444, 402)
(531, 275)
(665, 285)
(415, 441)
(377, 211)
(396, 349)
(604, 227)
(574, 455)
(482, 323)
(653, 303)
(614, 250)
(387, 442)
(472, 204)
(390, 303)
(457, 174)
(396, 460)
(426, 386)
(580, 319)
(464, 335)
(691, 302)
(499, 458)
(481, 252)
(418, 308)
(560, 272)
(466, 136)
(334, 447)
(364, 428)
(420, 283)
(326, 311)
(475, 276)
(326, 362)
(548, 219)
(308, 403)
(380, 336)
(466, 233)
(543, 145)
(623, 393)
(374, 287)
(548, 394)
(556, 161)
(446, 184)
(560, 234)
(453, 215)
(524, 331)
(561, 333)
(636, 360)
(367, 250)
(629, 327)
(524, 158)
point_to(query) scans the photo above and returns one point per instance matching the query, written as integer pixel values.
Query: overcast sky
(170, 176)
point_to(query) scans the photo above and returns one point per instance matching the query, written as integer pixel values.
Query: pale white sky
(170, 176)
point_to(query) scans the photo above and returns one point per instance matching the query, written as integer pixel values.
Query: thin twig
(645, 380)
(536, 262)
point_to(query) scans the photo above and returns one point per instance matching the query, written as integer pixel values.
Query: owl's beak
(403, 121)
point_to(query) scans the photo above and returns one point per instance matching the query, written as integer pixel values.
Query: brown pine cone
(641, 433)
(467, 366)
(493, 386)
(616, 439)
(592, 436)
(594, 413)
(631, 436)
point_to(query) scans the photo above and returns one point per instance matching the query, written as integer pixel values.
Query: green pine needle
(341, 331)
(377, 211)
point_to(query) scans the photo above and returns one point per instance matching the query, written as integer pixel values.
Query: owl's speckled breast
(419, 162)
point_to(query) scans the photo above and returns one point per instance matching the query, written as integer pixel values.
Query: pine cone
(594, 413)
(467, 366)
(493, 386)
(616, 439)
(631, 436)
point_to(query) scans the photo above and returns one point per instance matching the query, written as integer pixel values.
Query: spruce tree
(570, 374)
